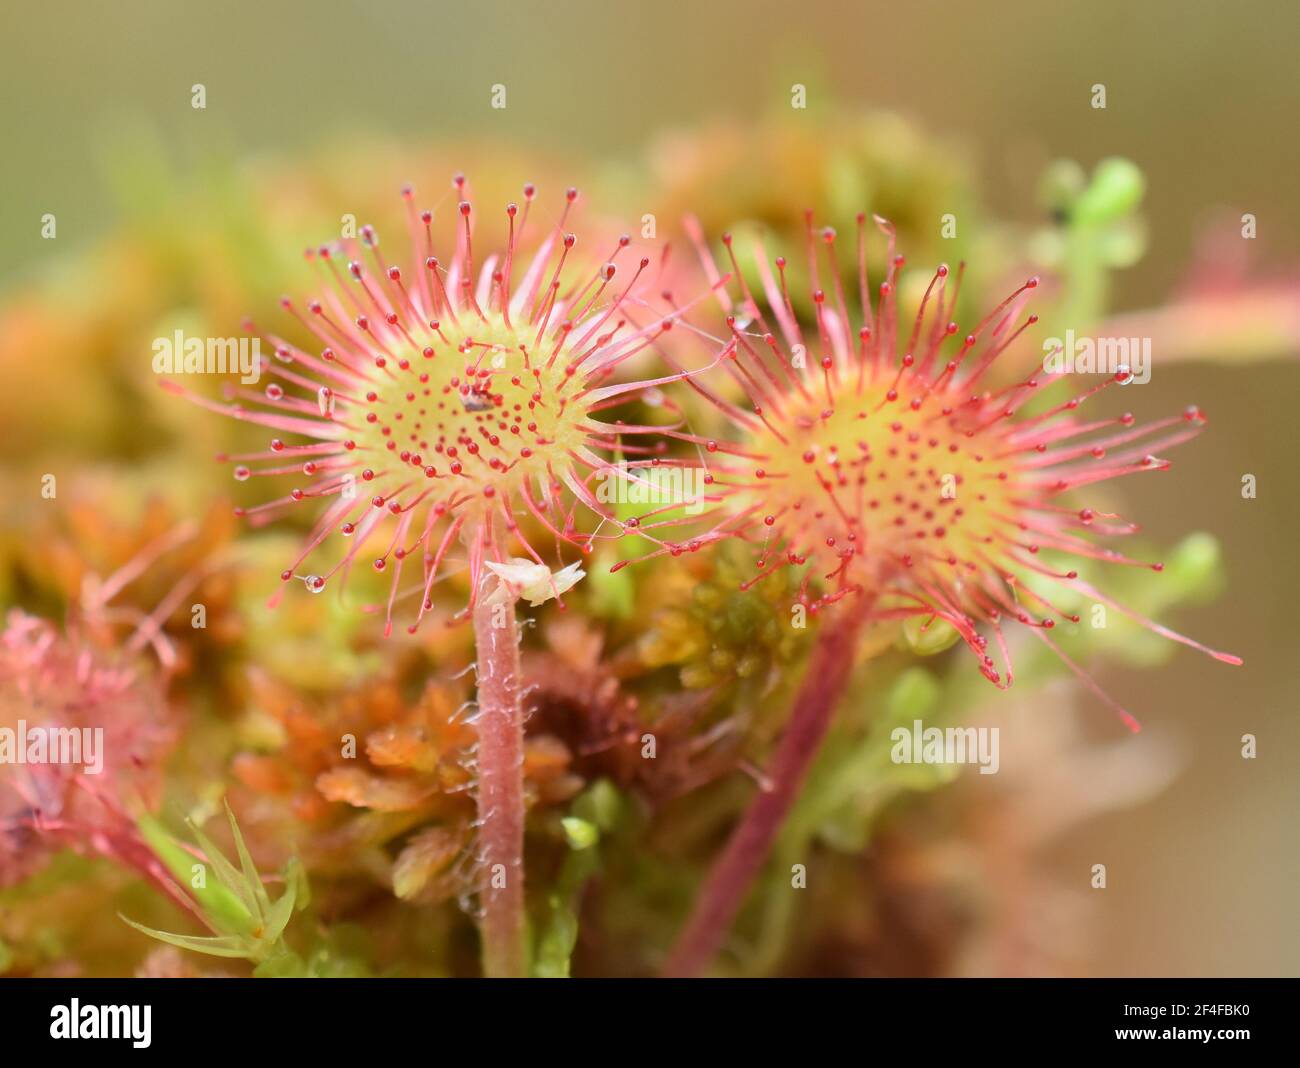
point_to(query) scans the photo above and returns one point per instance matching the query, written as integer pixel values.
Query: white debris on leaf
(532, 581)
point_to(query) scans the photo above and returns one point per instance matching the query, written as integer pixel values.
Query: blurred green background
(1203, 879)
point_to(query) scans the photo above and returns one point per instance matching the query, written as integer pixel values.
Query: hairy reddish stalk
(500, 727)
(724, 890)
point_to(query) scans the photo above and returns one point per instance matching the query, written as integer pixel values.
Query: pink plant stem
(500, 787)
(724, 890)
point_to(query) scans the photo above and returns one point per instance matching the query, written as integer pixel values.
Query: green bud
(928, 636)
(1194, 568)
(600, 805)
(914, 693)
(1116, 189)
(613, 593)
(1123, 244)
(1061, 185)
(580, 833)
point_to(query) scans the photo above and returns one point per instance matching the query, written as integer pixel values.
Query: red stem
(724, 890)
(500, 787)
